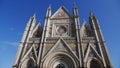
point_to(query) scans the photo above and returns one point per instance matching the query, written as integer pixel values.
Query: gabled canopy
(61, 46)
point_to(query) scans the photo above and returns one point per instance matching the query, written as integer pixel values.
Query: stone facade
(62, 43)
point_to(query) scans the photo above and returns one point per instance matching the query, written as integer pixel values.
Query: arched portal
(28, 63)
(94, 63)
(60, 60)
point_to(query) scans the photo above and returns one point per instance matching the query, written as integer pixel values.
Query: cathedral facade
(62, 43)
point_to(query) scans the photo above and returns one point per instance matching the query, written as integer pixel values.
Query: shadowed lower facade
(62, 43)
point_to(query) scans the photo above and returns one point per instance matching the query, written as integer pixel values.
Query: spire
(75, 9)
(48, 13)
(74, 5)
(33, 22)
(34, 15)
(91, 14)
(49, 6)
(39, 23)
(34, 18)
(84, 23)
(99, 38)
(26, 35)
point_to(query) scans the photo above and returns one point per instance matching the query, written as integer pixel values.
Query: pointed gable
(61, 13)
(84, 29)
(61, 46)
(37, 31)
(91, 51)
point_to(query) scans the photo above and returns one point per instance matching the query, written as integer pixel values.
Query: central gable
(61, 13)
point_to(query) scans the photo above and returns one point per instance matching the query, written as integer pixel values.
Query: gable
(91, 52)
(61, 13)
(61, 46)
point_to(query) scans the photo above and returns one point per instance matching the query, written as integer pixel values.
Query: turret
(75, 10)
(44, 34)
(29, 27)
(100, 40)
(28, 31)
(77, 27)
(46, 25)
(26, 35)
(48, 13)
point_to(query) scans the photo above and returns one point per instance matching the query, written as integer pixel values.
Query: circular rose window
(62, 30)
(60, 66)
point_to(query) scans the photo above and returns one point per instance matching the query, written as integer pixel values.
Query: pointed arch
(37, 31)
(61, 44)
(28, 63)
(61, 59)
(94, 63)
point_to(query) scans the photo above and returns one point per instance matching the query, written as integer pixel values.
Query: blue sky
(14, 15)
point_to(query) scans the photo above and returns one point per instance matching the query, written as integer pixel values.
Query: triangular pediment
(61, 13)
(91, 52)
(31, 52)
(36, 31)
(61, 46)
